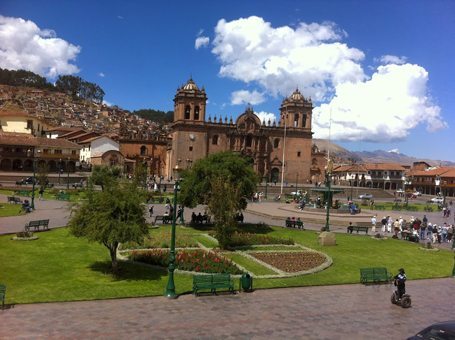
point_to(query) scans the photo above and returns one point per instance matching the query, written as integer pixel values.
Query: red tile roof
(24, 139)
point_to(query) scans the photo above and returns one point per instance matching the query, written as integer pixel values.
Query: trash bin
(246, 282)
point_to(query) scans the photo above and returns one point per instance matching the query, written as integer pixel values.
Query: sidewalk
(328, 312)
(57, 212)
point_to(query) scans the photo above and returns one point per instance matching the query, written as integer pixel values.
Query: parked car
(417, 193)
(400, 191)
(78, 185)
(438, 200)
(441, 330)
(23, 181)
(366, 196)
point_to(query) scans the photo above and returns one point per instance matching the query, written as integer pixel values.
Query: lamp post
(266, 183)
(68, 172)
(284, 153)
(32, 153)
(170, 288)
(59, 169)
(328, 175)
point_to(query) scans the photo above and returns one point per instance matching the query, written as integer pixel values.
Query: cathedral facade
(268, 145)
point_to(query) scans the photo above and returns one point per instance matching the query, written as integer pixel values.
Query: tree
(223, 181)
(104, 176)
(112, 216)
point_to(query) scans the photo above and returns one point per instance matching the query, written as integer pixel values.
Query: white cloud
(392, 59)
(266, 117)
(201, 42)
(279, 59)
(101, 74)
(394, 151)
(246, 97)
(381, 109)
(105, 102)
(120, 17)
(23, 45)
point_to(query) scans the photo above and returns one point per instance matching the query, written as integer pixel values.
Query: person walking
(151, 210)
(373, 224)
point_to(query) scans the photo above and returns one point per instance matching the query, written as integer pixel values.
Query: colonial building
(18, 152)
(268, 145)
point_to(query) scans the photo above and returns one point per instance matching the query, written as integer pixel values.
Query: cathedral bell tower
(190, 103)
(296, 111)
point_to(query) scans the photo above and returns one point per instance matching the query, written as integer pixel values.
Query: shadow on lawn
(128, 271)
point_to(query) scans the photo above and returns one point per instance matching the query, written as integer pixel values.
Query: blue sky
(381, 69)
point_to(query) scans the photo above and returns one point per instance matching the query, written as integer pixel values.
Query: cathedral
(268, 145)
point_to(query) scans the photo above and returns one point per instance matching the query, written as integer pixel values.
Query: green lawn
(60, 267)
(8, 209)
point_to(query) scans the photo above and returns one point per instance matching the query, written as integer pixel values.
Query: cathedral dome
(296, 96)
(190, 86)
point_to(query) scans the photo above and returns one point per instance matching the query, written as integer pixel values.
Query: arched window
(143, 150)
(296, 120)
(249, 141)
(314, 161)
(187, 112)
(276, 143)
(304, 121)
(215, 140)
(196, 113)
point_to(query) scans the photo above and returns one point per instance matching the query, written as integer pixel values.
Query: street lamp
(328, 175)
(170, 288)
(59, 169)
(68, 172)
(31, 152)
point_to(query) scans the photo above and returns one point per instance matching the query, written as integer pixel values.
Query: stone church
(194, 136)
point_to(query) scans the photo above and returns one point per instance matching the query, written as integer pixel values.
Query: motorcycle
(404, 302)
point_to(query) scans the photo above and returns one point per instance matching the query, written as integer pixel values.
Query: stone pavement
(56, 211)
(328, 312)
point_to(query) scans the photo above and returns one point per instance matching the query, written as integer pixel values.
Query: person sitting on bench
(26, 206)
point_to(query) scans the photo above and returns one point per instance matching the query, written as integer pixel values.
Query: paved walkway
(329, 312)
(56, 211)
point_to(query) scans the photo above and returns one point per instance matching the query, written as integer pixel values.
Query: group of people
(416, 229)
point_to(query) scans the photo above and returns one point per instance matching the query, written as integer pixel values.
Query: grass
(391, 206)
(8, 209)
(49, 194)
(249, 265)
(353, 252)
(60, 267)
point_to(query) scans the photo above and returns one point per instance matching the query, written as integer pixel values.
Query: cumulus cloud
(201, 42)
(384, 108)
(394, 151)
(279, 59)
(246, 97)
(23, 45)
(266, 117)
(392, 59)
(101, 74)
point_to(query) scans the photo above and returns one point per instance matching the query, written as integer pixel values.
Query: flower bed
(189, 260)
(247, 239)
(291, 262)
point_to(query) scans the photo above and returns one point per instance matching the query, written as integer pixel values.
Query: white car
(400, 191)
(366, 196)
(417, 193)
(438, 200)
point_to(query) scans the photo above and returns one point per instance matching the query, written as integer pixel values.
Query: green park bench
(374, 275)
(37, 224)
(164, 219)
(62, 196)
(23, 192)
(14, 199)
(359, 226)
(212, 282)
(2, 294)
